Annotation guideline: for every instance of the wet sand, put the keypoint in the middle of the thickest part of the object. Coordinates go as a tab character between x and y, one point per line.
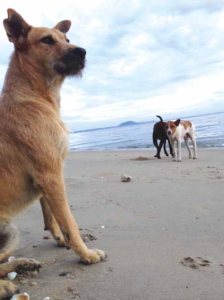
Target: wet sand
169	211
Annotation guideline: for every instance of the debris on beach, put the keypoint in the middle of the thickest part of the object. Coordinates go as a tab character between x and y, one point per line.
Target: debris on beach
89	229
22	280
11	258
47	237
33	283
125	178
141	158
23	296
88	237
103	227
54	261
64	273
195	263
47	298
71	290
11	275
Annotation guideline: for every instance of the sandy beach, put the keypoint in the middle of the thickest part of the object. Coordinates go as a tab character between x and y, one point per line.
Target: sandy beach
169	211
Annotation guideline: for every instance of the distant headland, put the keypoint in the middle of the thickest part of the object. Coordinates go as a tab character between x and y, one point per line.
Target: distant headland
128	123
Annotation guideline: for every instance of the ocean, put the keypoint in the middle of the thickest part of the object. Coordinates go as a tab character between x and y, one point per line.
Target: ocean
209	134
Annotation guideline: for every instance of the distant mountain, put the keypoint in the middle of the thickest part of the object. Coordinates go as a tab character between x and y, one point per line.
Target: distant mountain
128	123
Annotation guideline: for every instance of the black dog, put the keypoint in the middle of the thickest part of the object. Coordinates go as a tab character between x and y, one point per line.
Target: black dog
159	133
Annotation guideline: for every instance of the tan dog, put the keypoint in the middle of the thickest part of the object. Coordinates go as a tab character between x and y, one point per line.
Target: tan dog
34	140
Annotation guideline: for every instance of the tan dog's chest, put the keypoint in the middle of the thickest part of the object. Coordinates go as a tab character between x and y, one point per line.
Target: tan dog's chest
63	148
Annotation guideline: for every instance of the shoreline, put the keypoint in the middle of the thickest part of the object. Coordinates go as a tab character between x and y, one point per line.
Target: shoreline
143	149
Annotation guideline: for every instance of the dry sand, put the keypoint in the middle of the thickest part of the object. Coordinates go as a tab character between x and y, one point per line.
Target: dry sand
168	211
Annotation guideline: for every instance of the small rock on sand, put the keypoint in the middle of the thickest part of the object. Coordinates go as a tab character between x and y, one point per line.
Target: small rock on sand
125	178
47	237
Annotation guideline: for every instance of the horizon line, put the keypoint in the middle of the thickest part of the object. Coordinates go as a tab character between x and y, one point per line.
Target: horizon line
141	122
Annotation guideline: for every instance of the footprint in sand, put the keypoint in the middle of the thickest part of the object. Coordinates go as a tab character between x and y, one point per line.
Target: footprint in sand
195	263
141	158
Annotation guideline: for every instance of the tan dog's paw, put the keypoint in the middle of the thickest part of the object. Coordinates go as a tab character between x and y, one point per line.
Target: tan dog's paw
56	233
94	256
27	265
60	239
7	289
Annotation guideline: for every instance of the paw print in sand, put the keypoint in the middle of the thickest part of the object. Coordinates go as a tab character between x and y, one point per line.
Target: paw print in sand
195	263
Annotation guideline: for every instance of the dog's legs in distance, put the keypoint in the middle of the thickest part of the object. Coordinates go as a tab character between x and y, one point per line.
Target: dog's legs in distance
194	146
51	224
171	149
52	186
155	144
179	150
172	143
164	147
159	149
9	238
186	140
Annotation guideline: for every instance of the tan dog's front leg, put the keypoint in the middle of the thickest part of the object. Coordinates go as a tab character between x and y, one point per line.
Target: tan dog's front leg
51	224
53	189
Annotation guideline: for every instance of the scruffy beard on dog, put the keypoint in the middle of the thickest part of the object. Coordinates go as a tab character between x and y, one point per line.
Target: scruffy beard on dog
72	64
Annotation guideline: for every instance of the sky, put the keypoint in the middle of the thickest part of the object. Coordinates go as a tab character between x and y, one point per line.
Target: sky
144	57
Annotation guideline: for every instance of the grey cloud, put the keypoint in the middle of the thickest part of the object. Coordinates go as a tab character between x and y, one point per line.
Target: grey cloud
182	43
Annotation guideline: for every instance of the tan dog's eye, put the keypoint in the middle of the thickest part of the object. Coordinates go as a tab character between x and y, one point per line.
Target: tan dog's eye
48	40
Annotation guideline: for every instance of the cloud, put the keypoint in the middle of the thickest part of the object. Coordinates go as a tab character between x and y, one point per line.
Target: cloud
143	58
185	97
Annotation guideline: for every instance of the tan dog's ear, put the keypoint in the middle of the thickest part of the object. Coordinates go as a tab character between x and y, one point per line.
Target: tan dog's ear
16	27
177	122
63	26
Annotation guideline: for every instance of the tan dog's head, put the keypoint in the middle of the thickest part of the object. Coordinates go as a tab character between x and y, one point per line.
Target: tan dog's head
171	127
47	50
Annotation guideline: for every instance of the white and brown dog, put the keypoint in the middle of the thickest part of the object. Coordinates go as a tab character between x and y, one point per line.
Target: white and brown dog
176	130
